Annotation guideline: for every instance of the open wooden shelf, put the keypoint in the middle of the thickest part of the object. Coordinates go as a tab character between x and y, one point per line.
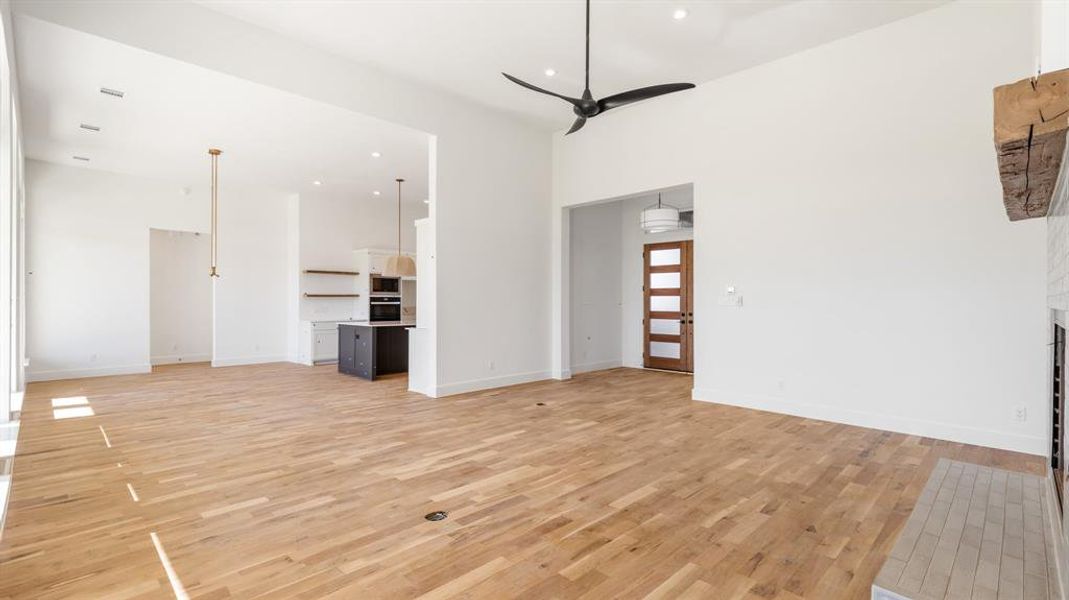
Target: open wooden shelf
307	295
325	272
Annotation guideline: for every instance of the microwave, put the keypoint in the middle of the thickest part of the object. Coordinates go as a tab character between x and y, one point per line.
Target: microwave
382	286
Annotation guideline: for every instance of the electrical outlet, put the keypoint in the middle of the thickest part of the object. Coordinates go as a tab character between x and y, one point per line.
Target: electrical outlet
1020	413
491	365
781	384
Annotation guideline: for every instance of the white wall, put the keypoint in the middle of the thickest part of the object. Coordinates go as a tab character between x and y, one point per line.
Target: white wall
851	194
252	294
88	259
595	284
490	191
12	224
1054	36
180	297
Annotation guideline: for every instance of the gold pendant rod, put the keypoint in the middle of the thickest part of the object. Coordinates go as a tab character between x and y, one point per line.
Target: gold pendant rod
215	152
399	182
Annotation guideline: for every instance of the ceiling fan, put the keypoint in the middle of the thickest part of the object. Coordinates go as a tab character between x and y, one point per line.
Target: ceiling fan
586	107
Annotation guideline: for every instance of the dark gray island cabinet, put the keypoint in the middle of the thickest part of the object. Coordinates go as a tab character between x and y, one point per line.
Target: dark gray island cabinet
370	349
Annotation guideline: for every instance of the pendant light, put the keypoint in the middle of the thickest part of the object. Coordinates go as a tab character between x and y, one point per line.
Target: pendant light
400	265
214	153
660	217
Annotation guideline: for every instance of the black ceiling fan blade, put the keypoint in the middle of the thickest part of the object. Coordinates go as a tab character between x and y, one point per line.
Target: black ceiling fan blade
577	125
572	101
630	96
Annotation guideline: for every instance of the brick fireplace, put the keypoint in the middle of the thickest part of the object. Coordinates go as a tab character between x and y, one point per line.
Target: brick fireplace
1058	309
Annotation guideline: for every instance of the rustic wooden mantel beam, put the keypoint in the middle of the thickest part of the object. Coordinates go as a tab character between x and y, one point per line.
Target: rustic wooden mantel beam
1031	119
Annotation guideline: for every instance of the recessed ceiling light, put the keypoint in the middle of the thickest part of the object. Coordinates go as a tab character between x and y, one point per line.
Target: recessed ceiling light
317	182
680	14
89	127
82	158
376	193
550	72
376	154
112	92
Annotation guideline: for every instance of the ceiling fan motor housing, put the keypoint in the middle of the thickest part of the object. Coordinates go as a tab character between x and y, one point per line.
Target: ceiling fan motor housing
587	108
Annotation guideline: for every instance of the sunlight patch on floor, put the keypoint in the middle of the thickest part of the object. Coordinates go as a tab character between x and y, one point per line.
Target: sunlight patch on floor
72	413
69	401
172	576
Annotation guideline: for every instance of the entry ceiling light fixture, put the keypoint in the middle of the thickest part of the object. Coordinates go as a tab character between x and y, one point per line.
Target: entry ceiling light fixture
660	217
586	107
400	265
214	153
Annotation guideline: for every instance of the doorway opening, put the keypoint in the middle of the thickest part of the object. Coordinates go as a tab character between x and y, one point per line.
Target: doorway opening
180	297
629	291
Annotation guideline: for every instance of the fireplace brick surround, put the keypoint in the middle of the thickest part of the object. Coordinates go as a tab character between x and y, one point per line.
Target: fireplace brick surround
1058	309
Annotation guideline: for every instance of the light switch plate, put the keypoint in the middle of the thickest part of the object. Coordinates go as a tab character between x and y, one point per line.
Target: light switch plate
731	300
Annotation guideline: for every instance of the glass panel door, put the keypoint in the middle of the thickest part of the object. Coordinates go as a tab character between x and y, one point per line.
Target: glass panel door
668	339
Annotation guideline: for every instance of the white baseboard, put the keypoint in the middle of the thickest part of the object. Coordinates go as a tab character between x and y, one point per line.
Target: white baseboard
429	392
595	366
16	401
248	360
836	414
179	359
53	375
476	385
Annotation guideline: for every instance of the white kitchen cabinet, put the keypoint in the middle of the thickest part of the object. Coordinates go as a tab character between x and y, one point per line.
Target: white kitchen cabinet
378	263
319	342
325	345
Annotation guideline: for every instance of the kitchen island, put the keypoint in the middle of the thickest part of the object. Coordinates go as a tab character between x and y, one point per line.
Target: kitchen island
368	349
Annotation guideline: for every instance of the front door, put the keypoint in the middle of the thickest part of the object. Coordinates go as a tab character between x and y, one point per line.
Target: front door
668	319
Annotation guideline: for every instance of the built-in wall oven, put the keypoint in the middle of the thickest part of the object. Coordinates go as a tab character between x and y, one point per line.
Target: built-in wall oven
385	307
385	285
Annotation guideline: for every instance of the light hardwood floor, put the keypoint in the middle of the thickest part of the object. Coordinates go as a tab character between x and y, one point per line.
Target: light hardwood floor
286	481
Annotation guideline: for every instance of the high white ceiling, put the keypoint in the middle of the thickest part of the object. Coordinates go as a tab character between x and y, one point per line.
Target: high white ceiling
463	45
173	112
